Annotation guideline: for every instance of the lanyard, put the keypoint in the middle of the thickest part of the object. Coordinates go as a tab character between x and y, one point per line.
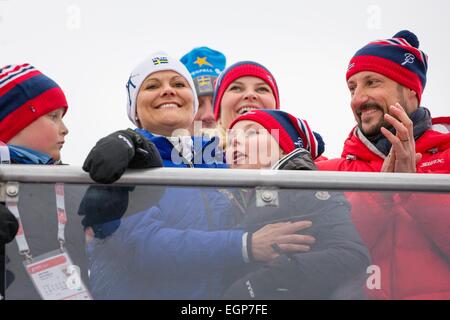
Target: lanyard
4	154
12	202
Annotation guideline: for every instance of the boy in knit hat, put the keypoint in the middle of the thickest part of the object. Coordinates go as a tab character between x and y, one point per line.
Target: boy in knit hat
264	139
205	65
31	110
31	130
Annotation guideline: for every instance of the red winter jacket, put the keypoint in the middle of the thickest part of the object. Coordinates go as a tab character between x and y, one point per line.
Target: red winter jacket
408	234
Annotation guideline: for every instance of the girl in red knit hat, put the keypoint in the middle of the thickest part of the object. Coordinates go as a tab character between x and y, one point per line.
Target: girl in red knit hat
242	87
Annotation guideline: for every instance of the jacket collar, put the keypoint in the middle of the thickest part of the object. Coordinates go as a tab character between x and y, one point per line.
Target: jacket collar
435	139
200	145
22	155
298	159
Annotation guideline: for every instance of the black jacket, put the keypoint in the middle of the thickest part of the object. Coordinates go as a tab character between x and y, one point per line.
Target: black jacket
8	229
335	266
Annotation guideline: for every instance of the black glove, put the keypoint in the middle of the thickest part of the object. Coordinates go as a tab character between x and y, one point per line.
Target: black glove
8	225
103	207
274	280
123	149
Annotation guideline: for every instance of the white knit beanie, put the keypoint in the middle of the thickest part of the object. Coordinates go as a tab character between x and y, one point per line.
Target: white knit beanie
158	61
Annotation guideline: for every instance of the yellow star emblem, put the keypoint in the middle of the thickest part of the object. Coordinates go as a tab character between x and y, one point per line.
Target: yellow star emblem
202	61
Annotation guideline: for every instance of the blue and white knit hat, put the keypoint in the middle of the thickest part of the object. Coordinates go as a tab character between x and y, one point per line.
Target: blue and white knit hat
158	61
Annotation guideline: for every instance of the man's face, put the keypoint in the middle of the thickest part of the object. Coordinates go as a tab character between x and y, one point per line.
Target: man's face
205	112
371	96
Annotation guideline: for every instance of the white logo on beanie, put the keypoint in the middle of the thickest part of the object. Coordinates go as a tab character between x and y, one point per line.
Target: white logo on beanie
409	58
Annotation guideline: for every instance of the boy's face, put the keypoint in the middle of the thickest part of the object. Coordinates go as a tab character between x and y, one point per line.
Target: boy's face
251	146
46	134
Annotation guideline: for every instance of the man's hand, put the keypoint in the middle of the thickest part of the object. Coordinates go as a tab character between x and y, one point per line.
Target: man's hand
403	156
284	236
113	154
8	225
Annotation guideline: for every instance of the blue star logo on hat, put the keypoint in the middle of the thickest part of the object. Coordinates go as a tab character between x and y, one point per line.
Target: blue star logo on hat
202	61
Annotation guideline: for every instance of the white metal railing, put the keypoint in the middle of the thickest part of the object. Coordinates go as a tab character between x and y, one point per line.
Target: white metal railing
237	178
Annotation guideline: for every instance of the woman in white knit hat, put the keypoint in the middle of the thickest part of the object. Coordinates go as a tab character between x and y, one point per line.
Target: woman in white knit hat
176	246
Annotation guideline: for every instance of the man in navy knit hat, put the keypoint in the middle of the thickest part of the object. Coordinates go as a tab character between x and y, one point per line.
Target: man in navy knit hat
408	234
386	79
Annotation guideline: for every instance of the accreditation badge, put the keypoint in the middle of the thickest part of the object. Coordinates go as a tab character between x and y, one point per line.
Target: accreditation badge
56	278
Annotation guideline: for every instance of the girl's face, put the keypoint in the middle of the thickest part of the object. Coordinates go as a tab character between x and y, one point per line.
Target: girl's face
251	146
243	95
46	134
165	103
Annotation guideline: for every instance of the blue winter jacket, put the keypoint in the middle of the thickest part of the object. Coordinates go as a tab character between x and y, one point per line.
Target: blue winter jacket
22	155
206	153
179	249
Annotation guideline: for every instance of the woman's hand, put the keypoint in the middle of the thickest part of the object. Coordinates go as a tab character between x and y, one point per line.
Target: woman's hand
283	236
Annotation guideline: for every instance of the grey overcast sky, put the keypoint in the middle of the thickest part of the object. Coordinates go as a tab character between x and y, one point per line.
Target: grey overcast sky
90	47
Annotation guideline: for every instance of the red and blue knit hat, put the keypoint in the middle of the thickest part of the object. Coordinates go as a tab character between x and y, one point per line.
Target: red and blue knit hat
398	58
293	133
25	95
239	70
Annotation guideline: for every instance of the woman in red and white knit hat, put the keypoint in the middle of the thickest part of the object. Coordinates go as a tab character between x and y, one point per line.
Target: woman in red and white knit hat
242	87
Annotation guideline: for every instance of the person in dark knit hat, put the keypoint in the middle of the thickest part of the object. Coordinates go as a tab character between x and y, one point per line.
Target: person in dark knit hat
334	256
408	236
386	79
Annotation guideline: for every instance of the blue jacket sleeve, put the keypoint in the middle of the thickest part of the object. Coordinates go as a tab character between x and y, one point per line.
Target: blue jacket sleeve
163	249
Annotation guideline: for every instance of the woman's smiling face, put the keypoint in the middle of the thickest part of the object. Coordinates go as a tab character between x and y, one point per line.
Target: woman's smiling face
165	103
245	94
